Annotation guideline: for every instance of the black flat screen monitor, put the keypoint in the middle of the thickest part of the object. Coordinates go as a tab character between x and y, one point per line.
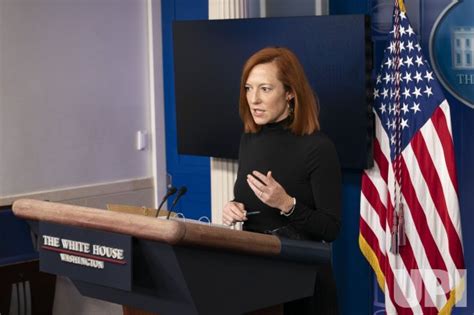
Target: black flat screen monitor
334	51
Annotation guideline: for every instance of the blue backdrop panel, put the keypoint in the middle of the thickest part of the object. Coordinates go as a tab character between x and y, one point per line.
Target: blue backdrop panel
192	171
15	239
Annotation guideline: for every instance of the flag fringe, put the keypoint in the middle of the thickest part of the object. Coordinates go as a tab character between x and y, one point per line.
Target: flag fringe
373	261
454	297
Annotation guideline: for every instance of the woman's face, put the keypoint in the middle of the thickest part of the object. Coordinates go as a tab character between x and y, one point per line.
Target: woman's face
266	95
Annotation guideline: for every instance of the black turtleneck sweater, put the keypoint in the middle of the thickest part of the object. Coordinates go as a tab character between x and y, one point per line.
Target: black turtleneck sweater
308	169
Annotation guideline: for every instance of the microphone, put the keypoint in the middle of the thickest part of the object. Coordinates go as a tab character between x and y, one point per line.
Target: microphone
171	191
181	191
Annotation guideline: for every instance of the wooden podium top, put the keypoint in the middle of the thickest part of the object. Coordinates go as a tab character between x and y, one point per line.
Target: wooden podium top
172	232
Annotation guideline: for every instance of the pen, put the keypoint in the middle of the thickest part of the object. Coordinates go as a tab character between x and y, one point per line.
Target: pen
252	213
249	213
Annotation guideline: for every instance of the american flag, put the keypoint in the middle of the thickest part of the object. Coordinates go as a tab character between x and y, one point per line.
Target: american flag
410	229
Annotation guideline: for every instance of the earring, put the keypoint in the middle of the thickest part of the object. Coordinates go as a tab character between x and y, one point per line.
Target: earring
290	107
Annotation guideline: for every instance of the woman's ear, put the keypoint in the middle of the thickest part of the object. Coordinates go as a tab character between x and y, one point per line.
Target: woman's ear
289	96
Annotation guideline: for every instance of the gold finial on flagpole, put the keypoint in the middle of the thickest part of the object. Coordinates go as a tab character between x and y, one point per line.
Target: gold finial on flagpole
402	6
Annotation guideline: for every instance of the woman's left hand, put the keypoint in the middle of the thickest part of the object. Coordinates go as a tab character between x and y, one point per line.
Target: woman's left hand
269	191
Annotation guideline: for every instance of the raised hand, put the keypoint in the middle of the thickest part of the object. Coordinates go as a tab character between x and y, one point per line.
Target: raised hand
269	191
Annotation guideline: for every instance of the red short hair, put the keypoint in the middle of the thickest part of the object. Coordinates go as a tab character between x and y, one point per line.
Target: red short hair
291	74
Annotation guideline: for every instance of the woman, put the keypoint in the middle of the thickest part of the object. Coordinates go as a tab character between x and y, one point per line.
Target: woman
288	170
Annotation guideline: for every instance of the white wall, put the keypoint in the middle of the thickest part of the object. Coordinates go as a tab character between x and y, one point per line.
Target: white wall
74	89
77	81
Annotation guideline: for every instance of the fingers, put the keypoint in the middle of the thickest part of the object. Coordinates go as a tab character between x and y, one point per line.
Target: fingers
264	179
233	212
256	184
239	205
237	210
256	190
261	184
269	175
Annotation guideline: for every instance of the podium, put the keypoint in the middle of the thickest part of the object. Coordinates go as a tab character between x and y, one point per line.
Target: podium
170	266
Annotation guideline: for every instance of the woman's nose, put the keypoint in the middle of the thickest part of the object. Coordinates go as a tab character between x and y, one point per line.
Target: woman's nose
254	97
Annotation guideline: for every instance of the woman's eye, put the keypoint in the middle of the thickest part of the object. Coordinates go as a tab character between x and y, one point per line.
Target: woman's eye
266	89
247	88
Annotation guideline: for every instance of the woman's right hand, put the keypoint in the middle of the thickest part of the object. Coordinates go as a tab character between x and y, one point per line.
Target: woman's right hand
233	212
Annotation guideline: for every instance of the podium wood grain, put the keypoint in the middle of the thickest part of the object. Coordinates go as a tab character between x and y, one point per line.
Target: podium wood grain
172	232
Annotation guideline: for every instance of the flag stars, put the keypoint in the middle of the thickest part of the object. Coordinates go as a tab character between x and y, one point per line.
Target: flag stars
389	124
403	15
391	109
379	79
406	93
405	109
402	46
391	47
415	108
429	75
419	61
404	79
418	77
407	77
417	92
376	93
392	139
427	91
392	125
404	123
400	62
402	31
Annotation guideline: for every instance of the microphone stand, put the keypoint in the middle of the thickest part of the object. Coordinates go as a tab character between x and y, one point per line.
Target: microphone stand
171	191
181	191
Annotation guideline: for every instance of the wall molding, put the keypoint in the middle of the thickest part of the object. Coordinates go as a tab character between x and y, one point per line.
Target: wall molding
86	191
224	171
